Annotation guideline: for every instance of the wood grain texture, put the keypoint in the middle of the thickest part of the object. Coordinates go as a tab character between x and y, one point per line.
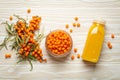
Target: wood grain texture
55	14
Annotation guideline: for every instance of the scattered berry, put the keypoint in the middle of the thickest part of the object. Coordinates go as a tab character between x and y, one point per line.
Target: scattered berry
78	24
29	11
76	18
72	57
75	50
71	30
112	36
11	18
7	55
78	55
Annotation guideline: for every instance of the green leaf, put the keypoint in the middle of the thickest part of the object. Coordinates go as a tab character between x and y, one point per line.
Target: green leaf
27	39
19	61
14	46
19	39
17	16
1	46
4	43
20	18
18	44
40	37
31	57
9	28
30	64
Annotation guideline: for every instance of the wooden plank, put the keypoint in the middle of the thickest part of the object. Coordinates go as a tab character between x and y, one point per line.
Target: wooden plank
55	14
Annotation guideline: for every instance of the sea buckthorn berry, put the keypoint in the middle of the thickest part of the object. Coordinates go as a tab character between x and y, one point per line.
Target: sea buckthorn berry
74	24
40	50
7	55
29	10
72	57
38	58
26	54
110	46
108	43
78	55
21	51
112	36
35	50
33	53
78	24
76	18
36	55
67	26
11	18
25	48
45	59
75	50
27	30
22	29
40	61
41	54
71	30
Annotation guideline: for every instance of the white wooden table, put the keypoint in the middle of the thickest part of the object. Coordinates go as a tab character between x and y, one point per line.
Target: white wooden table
55	14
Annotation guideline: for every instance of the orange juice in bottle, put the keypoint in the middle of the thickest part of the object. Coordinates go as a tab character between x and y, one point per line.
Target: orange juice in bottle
94	41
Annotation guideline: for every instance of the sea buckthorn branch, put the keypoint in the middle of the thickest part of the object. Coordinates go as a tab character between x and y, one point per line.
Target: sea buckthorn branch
22	35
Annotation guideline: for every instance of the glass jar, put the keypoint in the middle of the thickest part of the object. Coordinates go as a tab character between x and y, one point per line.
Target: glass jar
58	43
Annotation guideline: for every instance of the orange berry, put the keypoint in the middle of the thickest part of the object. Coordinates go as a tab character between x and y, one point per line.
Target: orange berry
7	55
29	10
21	51
40	61
78	24
25	48
45	59
72	57
21	35
76	18
110	46
32	29
38	58
26	54
36	55
33	53
67	26
108	43
40	50
112	36
31	35
27	30
35	50
37	47
74	25
11	18
28	48
15	26
23	45
78	55
71	30
41	54
21	29
75	50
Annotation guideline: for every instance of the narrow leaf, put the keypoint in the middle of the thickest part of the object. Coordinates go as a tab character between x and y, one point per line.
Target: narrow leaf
30	64
27	39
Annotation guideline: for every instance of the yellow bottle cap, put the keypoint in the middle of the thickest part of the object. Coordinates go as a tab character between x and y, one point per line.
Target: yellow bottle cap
100	21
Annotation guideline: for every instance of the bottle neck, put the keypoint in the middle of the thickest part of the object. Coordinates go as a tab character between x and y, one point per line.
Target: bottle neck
99	24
